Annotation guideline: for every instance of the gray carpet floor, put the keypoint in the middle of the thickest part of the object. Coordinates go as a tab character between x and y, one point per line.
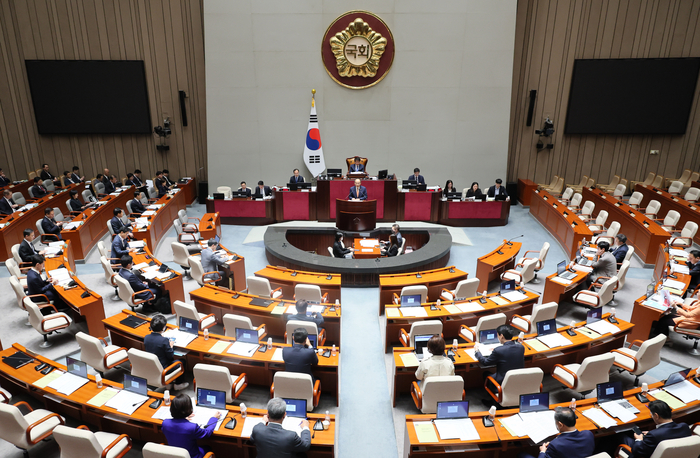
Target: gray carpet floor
364	391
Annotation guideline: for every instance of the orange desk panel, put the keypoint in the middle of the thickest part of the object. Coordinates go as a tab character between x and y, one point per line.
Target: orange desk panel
435	280
287	279
490	266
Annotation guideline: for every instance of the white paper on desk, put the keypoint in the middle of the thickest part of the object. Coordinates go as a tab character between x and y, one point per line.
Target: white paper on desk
150	274
366	250
369	243
182	339
485	350
148	213
73	225
59	274
52	251
563	281
249	424
514	424
581	268
459	428
539	425
675	284
126	402
616	410
514	296
409	359
685	391
67	383
137	244
292	424
599	417
590	251
242	349
680	268
554	340
468	307
413	311
603	327
676	252
154	206
141	220
277	355
163	413
292	309
141	266
114	193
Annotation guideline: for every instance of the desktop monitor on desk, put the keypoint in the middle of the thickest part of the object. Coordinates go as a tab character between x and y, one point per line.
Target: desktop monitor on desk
382	174
239	194
453	195
297	186
218	196
335	173
409	184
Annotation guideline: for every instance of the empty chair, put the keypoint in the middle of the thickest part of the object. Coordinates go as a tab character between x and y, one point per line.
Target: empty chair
231	322
190	311
19	199
652	209
48	184
330	250
541	257
310	327
525	275
83	443
110	274
153	450
670	221
543	185
439	388
127	294
225	190
685	176
219	378
293	385
684	238
198	273
575	203
191	239
189	223
692	195
669	448
402	248
566	195
15	270
87	196
99	188
515	383
609	235
146	365
485	323
582	183
619	191
635	199
647	356
590	183
309	293
695	176
590	299
540	312
621	277
419	328
691	332
413	291
675	188
260	286
647	181
584	377
598	225
557	188
612	185
181	256
587	211
45	324
464	289
25	431
101	358
658	181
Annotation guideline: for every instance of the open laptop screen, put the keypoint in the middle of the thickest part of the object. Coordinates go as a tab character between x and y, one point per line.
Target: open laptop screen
546	327
488	336
211	398
594	314
534	402
453	409
217	239
189	325
677	377
76	367
609	391
421	343
313	340
296	407
561	267
507	286
136	385
412	300
246	335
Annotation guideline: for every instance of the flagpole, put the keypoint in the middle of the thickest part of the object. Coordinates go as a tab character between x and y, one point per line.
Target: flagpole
313	97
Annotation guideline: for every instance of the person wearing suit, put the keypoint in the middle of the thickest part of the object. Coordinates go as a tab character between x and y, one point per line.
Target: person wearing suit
475	192
604	265
417	177
393	248
75	204
301	307
244	188
160	345
26	248
130	180
301	355
437	363
509	355
67	180
166	179
643	445
210	260
75	176
296	178
160	184
693	264
570	443
37	285
262	191
38	190
106	176
137	178
109	185
339	251
117	223
273	441
49	224
137	285
498	191
357	165
136	205
180	432
7	205
120	247
4	181
684	316
621	248
45	175
357	192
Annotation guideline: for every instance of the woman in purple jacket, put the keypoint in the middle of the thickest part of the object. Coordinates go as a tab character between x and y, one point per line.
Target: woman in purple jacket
180	432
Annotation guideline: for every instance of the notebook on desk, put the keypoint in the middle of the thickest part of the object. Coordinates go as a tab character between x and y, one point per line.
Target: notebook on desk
17	360
132	321
260	302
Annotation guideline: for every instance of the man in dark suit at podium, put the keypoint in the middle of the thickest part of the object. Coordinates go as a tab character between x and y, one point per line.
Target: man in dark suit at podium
357	166
244	188
498	191
296	178
262	191
358	192
417	177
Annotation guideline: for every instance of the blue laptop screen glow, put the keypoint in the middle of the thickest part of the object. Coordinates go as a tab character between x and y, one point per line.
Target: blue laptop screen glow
488	336
453	409
135	384
189	325
546	327
561	267
421	343
217	239
313	340
507	286
211	398
296	407
534	402
246	335
677	377
593	315
410	301
609	391
76	367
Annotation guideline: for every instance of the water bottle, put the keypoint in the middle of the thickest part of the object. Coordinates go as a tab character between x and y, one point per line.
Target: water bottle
521	336
166	397
244	410
492	413
572	404
206	334
334	351
98	380
328	416
573	324
337	302
484	294
612	312
327	422
269	342
455	345
645	388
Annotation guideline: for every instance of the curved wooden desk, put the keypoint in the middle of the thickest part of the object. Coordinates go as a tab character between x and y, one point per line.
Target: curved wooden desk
452	317
162	221
688	211
471	371
435	280
172	287
259	368
474	214
355	215
140	425
210	226
232	273
287	279
218	301
490	266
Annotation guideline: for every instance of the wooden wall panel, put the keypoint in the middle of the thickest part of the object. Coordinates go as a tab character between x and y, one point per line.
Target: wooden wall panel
167	35
550	35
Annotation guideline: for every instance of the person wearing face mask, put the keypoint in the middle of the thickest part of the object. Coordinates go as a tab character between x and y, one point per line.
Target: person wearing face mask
570	443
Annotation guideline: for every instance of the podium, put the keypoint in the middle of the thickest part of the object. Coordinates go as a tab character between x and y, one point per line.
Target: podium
355	216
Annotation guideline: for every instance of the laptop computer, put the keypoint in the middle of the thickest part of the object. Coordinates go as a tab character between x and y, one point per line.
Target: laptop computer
260	302
409	184
412	300
247	335
208	403
296	413
188	325
534	402
422	187
452	410
677	377
610	391
217	239
76	367
546	327
507	286
594	314
136	385
382	174
421	344
488	336
563	273
313	340
218	195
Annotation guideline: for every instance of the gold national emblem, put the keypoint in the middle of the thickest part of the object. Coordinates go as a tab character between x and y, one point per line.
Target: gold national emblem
358	49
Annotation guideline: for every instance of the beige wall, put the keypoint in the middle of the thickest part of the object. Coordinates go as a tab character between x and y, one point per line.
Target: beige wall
166	34
444	106
549	36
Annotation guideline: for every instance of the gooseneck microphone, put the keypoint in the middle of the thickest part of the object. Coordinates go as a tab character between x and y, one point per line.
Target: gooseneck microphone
509	242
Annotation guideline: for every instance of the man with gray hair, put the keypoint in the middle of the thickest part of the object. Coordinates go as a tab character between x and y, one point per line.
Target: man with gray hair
273	441
570	443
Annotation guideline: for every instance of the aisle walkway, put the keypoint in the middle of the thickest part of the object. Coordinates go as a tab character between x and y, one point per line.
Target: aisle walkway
366	425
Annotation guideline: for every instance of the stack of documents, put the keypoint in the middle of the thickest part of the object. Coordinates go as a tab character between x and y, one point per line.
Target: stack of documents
674	284
413	311
102	397
603	327
515	296
618	411
562	281
409	359
277	355
425	431
599	417
672	401
243	349
61	275
292	309
536	425
148	213
680	268
589	251
182	338
554	340
458	428
292	424
126	402
72	225
154	206
679	253
685	391
141	266
498	300
249	424
369	243
469	307
485	350
67	383
53	250
137	244
202	415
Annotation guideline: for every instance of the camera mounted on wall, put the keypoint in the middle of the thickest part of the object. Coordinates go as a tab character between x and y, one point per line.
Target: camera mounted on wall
547	131
162	132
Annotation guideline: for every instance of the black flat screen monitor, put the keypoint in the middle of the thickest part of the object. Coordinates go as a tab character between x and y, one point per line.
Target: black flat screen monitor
296	407
594	314
409	184
534	402
507	286
382	174
89	96
453	195
188	325
246	335
335	172
609	391
546	327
